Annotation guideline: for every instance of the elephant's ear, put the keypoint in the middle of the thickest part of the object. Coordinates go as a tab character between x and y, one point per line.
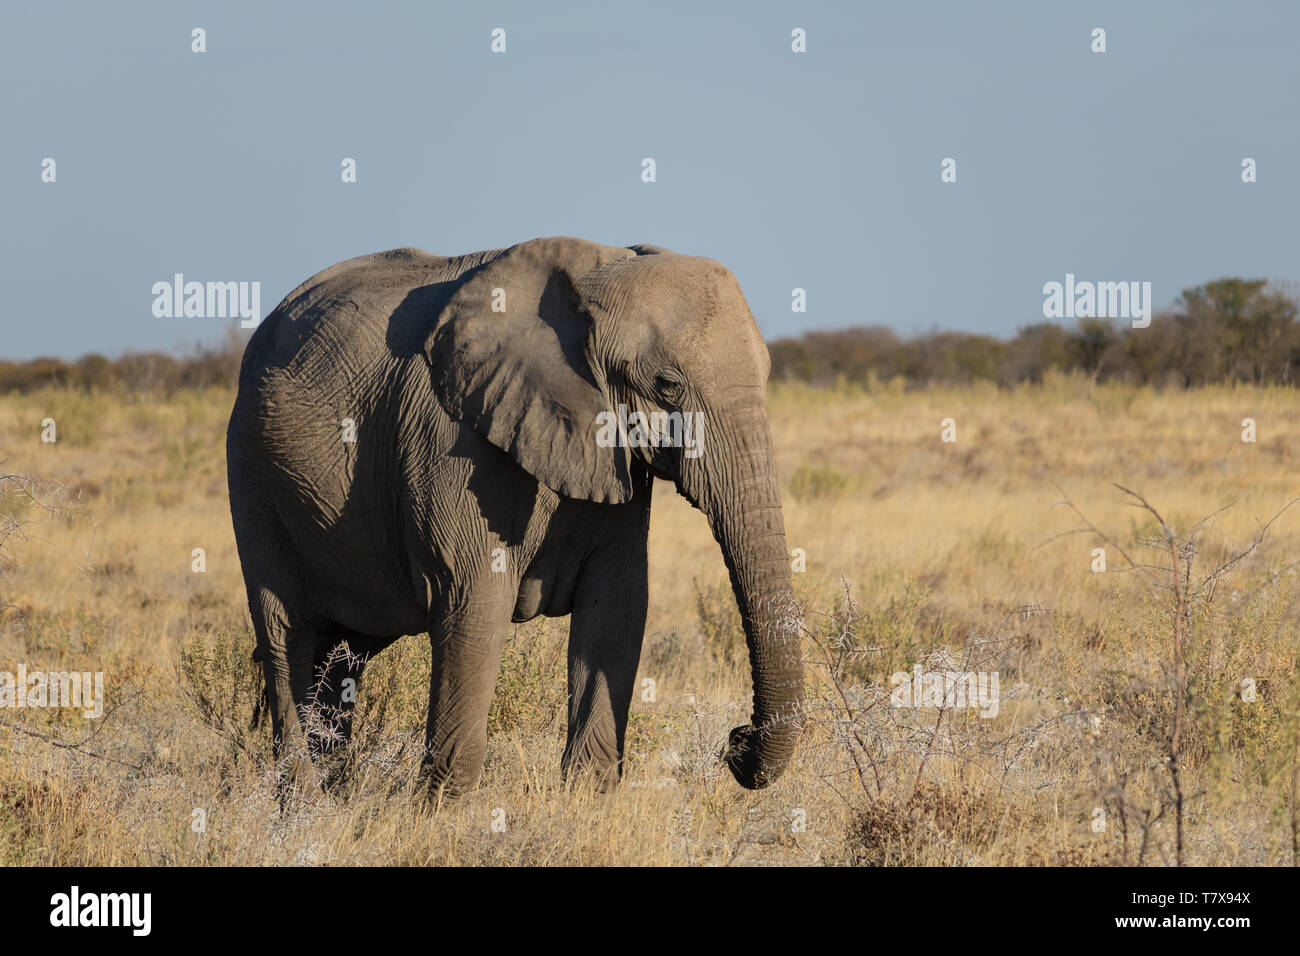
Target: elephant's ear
509	354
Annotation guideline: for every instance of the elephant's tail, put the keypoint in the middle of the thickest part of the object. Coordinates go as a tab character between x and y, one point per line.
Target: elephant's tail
262	707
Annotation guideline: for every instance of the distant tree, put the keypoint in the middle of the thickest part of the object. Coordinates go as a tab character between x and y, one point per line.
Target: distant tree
1257	325
1034	350
792	360
93	371
1090	342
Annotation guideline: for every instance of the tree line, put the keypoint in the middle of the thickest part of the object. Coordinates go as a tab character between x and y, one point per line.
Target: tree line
132	373
1229	330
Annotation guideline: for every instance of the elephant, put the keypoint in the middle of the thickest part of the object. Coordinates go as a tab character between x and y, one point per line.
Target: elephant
447	445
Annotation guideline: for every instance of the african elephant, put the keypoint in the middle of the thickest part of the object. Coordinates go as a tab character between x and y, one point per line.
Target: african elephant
423	444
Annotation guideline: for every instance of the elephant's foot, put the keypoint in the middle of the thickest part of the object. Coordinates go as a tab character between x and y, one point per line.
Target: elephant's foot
593	756
449	779
600	777
298	781
592	767
334	768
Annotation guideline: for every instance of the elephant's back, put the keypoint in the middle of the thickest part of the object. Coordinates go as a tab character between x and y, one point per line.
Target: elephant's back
327	362
346	314
395	265
357	318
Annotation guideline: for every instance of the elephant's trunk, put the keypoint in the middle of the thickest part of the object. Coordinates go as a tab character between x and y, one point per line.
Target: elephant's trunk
741	497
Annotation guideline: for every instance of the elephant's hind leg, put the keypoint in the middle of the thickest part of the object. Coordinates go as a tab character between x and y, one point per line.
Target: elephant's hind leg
287	651
340	659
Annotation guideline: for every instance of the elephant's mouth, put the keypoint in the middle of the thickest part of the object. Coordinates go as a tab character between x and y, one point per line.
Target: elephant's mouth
661	465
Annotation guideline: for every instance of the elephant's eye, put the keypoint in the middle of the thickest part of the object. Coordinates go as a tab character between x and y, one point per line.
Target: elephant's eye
669	388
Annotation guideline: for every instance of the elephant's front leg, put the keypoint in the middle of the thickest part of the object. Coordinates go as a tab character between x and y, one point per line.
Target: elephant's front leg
605	634
467	647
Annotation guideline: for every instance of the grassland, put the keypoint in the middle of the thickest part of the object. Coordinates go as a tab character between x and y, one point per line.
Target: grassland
917	551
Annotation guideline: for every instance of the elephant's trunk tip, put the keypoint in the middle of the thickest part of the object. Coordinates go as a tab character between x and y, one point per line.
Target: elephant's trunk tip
758	753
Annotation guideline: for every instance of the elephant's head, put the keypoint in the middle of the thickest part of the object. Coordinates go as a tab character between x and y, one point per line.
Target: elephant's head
555	340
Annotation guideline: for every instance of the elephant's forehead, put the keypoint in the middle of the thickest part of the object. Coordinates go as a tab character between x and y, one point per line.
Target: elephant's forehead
695	305
702	311
690	295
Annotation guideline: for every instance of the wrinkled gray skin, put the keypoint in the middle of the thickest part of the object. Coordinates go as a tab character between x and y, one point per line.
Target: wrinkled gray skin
475	431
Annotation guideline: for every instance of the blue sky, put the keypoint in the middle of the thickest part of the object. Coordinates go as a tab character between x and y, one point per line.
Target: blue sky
817	170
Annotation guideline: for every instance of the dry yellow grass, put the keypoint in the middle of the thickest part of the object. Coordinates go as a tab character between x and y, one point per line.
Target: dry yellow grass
940	545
